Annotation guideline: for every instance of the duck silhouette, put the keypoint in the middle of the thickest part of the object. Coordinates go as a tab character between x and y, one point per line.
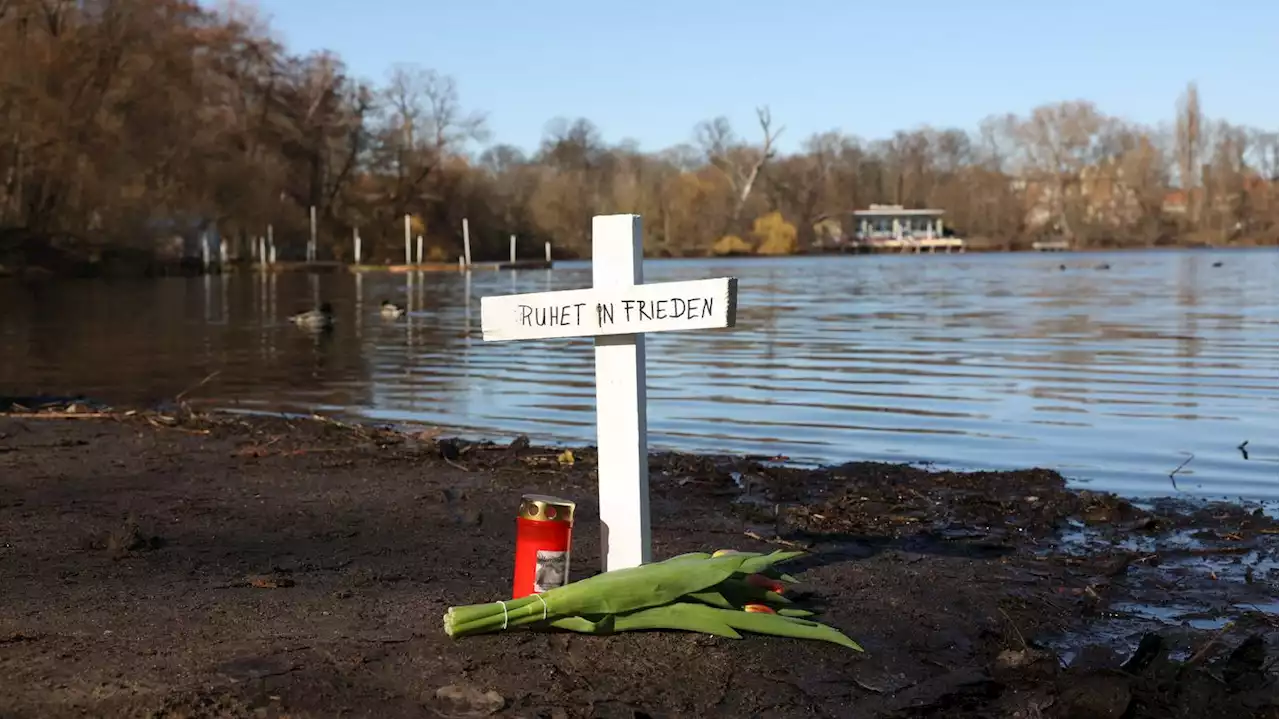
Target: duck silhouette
320	318
391	310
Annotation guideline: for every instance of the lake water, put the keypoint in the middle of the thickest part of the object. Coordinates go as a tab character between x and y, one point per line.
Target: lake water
1113	377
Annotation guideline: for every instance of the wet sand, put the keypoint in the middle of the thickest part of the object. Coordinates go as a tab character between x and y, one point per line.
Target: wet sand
178	565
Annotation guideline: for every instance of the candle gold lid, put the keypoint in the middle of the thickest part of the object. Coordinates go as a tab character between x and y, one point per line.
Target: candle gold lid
545	508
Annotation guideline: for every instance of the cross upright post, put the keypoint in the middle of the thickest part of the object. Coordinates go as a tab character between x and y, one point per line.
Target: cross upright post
622	436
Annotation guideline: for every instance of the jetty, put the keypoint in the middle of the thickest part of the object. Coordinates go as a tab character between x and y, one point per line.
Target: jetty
455	267
263	256
327	266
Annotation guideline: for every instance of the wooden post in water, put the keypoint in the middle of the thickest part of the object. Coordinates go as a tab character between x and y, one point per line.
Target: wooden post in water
617	310
355	238
466	241
271	245
311	244
547	247
513	249
408	259
419	249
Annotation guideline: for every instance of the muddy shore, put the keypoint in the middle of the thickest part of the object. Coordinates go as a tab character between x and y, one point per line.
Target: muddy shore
178	565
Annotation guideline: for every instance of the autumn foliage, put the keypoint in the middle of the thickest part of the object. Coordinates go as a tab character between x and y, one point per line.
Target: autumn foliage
729	246
128	123
775	235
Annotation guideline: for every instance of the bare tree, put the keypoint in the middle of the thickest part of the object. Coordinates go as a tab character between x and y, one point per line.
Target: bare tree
1057	143
808	187
740	163
427	109
423	124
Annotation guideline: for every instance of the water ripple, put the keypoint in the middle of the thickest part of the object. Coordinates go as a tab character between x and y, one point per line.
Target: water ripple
970	361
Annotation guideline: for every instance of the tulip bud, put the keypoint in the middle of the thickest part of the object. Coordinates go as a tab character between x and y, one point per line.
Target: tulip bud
758	609
723	552
762	582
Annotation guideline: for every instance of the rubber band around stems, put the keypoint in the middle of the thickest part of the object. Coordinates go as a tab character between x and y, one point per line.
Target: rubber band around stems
505	615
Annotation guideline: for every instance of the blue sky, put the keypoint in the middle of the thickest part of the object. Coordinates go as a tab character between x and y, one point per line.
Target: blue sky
649	71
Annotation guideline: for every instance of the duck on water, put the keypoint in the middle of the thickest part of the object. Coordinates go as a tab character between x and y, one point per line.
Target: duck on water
317	319
391	310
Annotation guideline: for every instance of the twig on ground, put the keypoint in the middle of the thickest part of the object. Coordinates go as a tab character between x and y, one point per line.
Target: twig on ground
1185	462
775	540
1016	630
1205	551
196	386
185	430
454	464
313	450
867	687
58	415
257	450
1204	651
161	421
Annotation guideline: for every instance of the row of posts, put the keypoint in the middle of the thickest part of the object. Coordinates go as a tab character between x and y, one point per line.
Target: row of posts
463	261
264	248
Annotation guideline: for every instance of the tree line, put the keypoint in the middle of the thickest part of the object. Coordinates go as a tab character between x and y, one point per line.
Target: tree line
129	121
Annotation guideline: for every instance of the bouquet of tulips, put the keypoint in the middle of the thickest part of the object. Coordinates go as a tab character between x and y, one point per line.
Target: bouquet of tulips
718	594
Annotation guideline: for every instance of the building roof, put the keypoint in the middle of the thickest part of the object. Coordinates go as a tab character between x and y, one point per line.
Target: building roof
896	211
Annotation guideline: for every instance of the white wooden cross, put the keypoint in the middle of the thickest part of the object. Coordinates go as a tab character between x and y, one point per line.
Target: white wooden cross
617	311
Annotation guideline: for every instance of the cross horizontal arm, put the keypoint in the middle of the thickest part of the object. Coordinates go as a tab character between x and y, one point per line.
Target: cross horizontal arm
593	312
